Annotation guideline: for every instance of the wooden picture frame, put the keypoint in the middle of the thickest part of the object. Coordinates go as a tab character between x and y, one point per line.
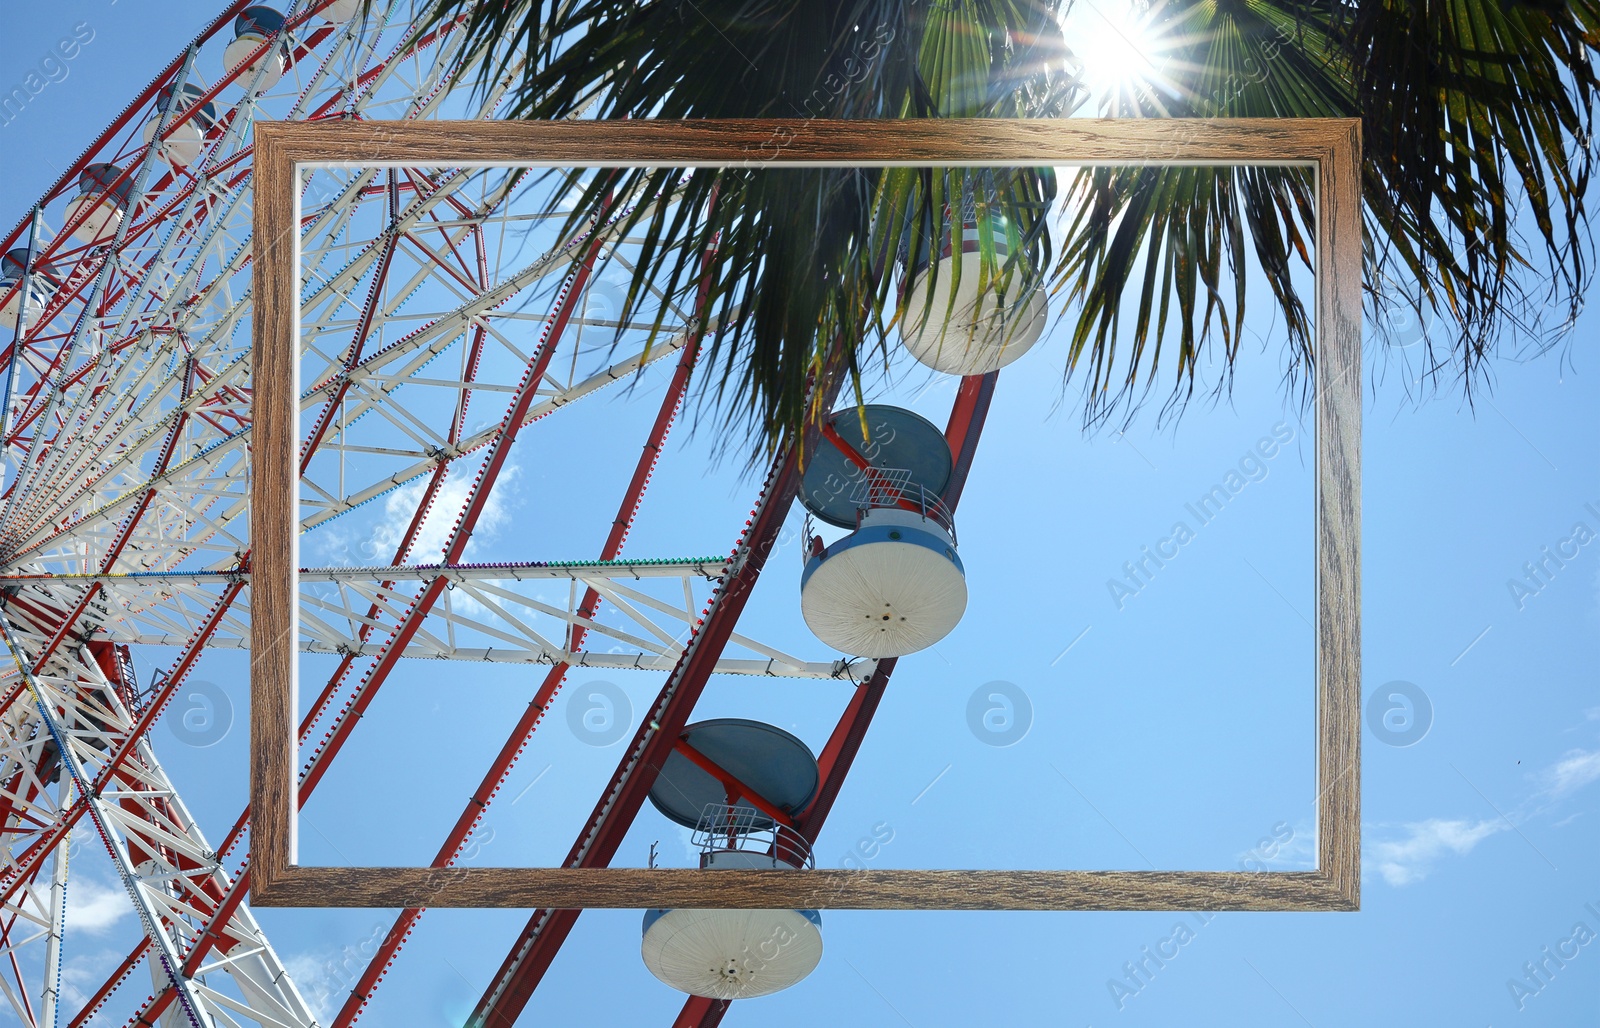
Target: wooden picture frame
1330	146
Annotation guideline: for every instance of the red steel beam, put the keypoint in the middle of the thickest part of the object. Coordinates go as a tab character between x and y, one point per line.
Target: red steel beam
91	1008
369	310
424	505
698	1011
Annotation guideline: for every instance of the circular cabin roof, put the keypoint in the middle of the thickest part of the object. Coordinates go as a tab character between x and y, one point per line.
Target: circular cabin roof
778	766
896	438
259	20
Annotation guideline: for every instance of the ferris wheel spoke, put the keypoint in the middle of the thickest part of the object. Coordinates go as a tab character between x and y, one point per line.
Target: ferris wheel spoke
106	396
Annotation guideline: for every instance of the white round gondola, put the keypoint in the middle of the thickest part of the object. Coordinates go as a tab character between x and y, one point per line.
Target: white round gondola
11	266
978	332
340	11
10	308
272	60
892	587
183	144
253	27
101	200
731	954
186	141
101	218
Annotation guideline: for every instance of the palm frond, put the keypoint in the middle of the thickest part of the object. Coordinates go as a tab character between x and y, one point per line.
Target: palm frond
806	255
1476	120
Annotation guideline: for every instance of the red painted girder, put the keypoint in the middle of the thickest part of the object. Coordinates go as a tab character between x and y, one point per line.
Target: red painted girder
103	993
16	976
67	525
700	1012
843	744
212	935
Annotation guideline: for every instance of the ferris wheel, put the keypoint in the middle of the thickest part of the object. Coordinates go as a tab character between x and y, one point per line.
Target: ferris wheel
443	315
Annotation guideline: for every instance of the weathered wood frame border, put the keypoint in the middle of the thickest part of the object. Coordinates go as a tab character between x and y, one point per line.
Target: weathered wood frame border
1331	146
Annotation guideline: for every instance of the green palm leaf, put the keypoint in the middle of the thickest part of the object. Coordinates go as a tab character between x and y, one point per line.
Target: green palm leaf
1472	114
1476	121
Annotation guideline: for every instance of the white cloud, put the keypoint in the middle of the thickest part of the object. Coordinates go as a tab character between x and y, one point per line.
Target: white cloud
319	984
329	546
1407	860
401	505
93	908
1573	771
325	978
82	974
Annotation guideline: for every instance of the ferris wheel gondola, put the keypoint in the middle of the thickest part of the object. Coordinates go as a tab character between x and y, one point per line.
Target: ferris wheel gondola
252	30
186	138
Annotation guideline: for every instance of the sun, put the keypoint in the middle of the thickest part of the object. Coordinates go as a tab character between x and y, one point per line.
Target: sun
1114	50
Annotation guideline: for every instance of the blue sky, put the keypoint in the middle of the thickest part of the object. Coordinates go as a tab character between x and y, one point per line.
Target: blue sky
1174	732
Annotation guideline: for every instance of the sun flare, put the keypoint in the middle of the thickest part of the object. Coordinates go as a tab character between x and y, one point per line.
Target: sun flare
1114	49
